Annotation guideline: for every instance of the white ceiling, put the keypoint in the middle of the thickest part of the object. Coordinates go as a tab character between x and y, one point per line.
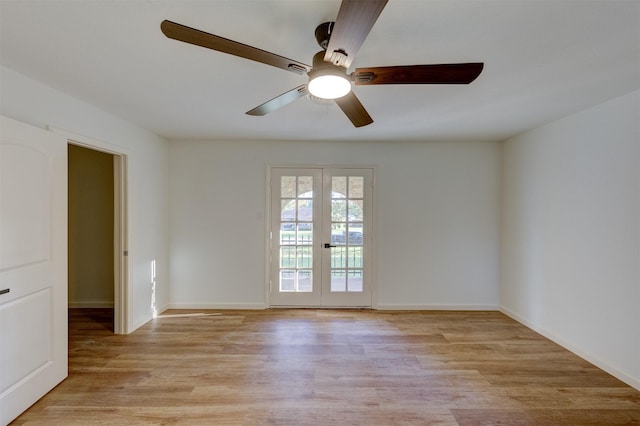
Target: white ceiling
543	60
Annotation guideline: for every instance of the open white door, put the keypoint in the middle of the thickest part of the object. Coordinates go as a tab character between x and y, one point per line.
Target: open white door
33	265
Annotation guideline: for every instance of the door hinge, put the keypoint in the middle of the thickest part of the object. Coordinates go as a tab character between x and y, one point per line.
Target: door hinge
125	253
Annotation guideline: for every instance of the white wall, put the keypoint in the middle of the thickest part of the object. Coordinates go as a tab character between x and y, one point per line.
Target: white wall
437	220
34	103
571	233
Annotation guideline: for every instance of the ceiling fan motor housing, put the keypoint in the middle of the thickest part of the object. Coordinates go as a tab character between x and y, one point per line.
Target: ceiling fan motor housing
321	67
323	33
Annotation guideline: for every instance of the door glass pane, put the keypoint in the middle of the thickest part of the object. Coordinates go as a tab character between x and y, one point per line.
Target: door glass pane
338	210
356	184
288	187
296	234
305	233
287	280
339	187
338	257
287	233
304	257
305	187
338	280
305	210
355	281
354	257
288	210
338	234
305	281
354	235
287	257
355	211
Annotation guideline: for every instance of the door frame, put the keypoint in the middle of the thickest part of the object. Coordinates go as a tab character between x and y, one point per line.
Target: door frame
267	223
121	290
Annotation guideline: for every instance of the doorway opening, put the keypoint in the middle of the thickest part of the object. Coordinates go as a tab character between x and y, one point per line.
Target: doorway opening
97	237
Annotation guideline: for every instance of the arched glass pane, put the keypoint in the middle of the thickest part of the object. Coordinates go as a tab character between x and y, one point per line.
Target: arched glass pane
288	187
305	187
356	187
339	187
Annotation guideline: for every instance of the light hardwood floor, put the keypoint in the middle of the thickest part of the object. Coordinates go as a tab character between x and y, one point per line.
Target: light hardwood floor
327	367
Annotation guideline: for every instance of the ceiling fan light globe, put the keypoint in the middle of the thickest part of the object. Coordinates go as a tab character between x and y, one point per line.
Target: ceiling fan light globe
329	86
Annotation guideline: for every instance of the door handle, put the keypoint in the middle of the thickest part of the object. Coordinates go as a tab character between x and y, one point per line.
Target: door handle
327	245
4	291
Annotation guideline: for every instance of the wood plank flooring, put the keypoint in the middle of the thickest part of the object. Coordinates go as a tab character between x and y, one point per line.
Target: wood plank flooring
327	367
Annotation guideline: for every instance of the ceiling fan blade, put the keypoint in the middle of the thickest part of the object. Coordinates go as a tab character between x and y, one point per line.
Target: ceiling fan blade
419	74
353	109
355	20
200	38
279	101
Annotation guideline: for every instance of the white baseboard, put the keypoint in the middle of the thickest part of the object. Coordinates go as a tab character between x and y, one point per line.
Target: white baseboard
434	307
631	381
242	306
379	306
95	304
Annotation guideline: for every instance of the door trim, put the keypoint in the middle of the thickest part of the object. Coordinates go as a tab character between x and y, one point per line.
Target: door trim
267	225
121	290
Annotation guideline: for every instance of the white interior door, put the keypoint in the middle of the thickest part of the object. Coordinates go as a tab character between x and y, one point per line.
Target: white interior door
320	239
33	265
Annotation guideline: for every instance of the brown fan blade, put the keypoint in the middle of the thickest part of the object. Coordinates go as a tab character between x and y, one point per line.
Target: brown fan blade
419	74
353	109
279	101
200	38
355	20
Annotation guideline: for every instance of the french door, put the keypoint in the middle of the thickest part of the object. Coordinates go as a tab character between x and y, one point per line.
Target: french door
320	239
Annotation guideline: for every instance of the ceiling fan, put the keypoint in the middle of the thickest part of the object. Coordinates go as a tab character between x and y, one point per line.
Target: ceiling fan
328	78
